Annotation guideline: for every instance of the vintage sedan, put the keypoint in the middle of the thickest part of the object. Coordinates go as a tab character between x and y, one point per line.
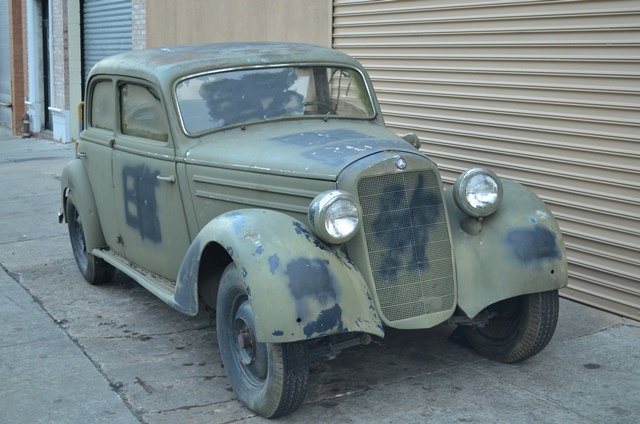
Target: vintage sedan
260	181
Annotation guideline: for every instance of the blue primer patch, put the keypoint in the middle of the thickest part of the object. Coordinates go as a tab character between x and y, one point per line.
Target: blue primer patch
311	278
300	230
327	320
259	250
532	244
274	263
277	333
311	282
237	220
405	247
140	203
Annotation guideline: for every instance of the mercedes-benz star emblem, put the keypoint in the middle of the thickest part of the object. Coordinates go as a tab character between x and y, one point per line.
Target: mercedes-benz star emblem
401	163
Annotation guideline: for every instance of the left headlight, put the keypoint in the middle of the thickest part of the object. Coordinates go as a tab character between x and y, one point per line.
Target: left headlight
334	216
478	192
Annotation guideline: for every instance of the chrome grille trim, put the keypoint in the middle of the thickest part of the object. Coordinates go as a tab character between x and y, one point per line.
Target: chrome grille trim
408	243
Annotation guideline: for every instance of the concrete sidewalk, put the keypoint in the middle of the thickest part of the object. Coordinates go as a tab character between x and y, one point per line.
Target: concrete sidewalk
75	353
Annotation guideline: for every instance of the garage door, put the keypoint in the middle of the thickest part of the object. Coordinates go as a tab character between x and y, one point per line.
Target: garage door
544	92
106	30
5	66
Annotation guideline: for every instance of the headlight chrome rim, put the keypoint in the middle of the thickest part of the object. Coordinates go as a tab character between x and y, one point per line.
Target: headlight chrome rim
322	205
461	192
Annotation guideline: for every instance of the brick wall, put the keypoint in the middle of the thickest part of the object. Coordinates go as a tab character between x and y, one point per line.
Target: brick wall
60	54
138	24
18	59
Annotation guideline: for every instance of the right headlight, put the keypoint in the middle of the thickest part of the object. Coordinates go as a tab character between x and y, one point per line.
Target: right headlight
478	192
334	216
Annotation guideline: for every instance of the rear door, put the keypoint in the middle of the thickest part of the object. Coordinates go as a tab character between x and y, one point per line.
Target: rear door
146	193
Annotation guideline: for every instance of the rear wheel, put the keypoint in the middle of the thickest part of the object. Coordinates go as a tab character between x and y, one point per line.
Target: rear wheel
519	327
94	270
269	378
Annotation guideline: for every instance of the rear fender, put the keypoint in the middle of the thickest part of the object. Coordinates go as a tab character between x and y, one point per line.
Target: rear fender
75	185
518	251
300	288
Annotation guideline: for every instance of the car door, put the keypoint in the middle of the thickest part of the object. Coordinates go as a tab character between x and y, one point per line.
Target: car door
95	151
146	194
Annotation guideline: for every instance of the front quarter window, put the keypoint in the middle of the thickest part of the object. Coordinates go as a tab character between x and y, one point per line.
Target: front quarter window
102	112
221	99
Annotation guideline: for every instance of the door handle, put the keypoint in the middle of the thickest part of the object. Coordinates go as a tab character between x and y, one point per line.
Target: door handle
169	179
81	154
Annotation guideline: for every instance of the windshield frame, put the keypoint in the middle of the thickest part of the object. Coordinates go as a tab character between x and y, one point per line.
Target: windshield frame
365	81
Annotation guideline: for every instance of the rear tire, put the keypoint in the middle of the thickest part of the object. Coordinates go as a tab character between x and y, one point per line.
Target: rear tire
520	328
269	378
94	270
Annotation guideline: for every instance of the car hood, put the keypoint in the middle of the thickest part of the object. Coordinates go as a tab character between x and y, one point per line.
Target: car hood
296	148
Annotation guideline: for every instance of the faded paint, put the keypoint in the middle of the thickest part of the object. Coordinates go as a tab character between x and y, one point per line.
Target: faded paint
511	255
295	287
338	147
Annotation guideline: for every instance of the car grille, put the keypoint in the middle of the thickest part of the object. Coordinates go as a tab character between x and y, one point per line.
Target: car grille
407	243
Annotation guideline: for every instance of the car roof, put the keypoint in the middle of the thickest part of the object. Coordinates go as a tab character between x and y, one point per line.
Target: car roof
165	64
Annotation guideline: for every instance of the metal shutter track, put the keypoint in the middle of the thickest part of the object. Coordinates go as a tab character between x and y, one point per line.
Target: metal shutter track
106	30
544	92
5	64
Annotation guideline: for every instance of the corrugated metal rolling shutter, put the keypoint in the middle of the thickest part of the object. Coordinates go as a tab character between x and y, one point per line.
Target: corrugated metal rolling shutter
544	92
106	30
5	65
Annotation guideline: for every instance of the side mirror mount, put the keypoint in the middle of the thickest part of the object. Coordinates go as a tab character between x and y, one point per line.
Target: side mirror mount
412	139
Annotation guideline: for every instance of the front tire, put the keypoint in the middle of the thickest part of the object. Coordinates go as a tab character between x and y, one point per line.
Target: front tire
94	270
519	328
269	378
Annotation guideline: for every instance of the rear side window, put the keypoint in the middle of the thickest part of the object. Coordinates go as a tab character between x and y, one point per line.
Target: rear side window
103	106
141	113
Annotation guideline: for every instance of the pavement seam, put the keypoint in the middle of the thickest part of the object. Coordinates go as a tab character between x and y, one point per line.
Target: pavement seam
4	243
189	407
534	394
116	387
592	333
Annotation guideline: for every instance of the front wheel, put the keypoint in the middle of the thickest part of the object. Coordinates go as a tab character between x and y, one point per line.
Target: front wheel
94	270
518	328
269	378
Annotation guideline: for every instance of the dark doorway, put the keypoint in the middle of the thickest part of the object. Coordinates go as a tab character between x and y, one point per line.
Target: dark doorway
46	71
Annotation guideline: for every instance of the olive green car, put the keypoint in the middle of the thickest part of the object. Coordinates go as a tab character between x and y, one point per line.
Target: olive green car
259	180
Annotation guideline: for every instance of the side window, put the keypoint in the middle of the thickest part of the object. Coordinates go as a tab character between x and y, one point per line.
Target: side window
141	113
102	106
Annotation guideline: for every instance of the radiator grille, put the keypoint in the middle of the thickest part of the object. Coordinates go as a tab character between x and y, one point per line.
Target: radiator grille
408	243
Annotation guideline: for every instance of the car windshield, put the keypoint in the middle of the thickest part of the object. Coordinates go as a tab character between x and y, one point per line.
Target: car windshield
221	99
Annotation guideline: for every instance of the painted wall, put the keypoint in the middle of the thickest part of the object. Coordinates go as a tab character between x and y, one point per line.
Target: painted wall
199	21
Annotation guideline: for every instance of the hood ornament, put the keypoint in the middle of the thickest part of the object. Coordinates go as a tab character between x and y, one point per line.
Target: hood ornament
401	163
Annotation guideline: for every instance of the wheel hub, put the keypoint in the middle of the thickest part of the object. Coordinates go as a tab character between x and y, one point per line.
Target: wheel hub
251	354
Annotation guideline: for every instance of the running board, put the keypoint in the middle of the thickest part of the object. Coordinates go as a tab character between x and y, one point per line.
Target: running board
158	286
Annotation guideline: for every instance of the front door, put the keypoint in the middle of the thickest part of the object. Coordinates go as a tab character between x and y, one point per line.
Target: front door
147	196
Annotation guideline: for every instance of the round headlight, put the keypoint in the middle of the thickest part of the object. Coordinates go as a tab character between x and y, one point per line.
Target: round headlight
334	216
478	192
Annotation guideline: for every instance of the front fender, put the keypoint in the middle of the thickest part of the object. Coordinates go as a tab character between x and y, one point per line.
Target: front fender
74	183
299	287
518	251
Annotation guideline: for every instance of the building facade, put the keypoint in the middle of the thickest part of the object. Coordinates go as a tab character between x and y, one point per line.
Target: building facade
543	92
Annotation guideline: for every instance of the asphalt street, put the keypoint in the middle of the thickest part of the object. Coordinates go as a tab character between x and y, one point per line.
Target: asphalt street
75	353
